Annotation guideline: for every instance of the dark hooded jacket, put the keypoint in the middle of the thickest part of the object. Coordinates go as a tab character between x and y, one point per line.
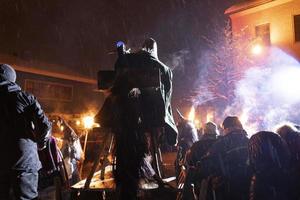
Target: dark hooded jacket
118	101
187	134
228	159
23	128
200	148
269	159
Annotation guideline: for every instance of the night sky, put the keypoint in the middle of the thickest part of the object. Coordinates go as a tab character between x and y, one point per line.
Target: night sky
80	34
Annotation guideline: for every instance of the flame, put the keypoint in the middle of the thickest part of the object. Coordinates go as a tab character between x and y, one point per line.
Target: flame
197	123
209	117
192	114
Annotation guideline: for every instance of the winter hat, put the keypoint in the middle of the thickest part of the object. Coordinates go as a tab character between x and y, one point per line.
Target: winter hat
232	122
7	73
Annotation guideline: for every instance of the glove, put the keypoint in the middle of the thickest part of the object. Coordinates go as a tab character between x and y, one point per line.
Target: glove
134	93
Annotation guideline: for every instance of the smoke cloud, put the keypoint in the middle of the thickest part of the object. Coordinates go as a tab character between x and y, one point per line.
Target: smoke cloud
268	94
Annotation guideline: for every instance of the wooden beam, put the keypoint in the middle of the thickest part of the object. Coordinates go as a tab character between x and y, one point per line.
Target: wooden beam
54	74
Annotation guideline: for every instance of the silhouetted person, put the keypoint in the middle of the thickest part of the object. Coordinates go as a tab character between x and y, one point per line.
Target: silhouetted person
195	154
200	148
292	138
71	151
139	111
187	136
269	160
226	162
24	129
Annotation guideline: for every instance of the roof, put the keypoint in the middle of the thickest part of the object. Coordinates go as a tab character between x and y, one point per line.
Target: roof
245	5
45	69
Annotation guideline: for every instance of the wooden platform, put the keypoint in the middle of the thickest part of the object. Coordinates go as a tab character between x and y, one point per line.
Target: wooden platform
96	184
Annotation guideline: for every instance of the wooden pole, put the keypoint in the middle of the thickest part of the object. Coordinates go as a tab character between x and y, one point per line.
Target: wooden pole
84	150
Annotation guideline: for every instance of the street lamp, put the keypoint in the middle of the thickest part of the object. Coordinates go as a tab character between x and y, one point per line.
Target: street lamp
257	49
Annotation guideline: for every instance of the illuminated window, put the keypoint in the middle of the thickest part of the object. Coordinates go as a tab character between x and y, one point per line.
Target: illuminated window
263	32
297	27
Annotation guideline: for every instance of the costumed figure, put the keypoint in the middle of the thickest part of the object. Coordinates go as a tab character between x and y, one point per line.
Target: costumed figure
138	115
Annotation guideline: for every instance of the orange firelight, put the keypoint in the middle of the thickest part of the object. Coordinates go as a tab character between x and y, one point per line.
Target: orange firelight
209	117
192	114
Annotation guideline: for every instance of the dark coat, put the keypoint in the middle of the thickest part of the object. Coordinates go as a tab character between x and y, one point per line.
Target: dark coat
23	128
292	139
187	134
116	108
228	159
200	148
269	159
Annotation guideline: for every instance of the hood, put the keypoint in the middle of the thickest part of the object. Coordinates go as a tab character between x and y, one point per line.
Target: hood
7	86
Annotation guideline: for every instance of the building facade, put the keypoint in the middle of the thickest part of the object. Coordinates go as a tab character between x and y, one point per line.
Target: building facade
274	22
59	91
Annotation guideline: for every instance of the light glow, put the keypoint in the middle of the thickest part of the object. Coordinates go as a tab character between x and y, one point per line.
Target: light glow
88	122
209	117
257	49
192	114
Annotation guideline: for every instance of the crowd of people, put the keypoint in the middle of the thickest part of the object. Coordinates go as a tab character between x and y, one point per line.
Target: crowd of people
214	166
233	166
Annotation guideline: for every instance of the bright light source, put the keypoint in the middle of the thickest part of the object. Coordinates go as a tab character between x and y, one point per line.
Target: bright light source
192	113
256	49
88	122
62	128
77	122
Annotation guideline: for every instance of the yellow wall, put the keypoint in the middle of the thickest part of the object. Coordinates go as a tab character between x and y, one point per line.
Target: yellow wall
281	22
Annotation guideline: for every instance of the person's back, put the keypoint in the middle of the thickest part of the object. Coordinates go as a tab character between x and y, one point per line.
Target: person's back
227	160
24	128
230	152
187	135
269	159
194	155
200	148
292	138
135	107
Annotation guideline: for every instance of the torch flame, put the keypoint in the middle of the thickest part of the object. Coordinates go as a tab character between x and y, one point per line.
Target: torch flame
192	114
209	117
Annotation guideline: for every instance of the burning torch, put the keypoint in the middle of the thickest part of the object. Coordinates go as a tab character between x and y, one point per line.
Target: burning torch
88	124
